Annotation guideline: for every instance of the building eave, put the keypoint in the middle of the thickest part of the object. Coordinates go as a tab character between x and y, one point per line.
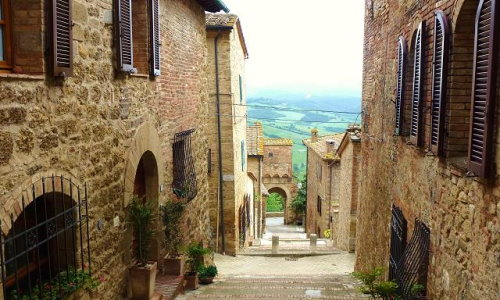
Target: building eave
214	5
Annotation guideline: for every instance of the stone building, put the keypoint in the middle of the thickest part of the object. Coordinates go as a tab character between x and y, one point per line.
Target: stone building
322	183
255	146
93	111
277	176
231	191
345	211
428	202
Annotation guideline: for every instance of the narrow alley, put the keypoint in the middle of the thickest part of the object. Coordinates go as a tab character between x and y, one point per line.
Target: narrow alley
293	273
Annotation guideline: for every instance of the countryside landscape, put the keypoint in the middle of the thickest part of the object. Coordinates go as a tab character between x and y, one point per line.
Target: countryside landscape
293	115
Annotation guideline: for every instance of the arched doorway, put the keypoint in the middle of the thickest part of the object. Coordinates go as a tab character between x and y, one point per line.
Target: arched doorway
277	195
146	189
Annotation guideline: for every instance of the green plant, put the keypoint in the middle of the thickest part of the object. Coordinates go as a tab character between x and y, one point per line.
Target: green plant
171	214
196	253
274	203
209	271
66	283
299	203
376	288
141	217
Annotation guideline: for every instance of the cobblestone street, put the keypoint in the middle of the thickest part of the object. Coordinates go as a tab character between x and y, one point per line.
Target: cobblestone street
282	277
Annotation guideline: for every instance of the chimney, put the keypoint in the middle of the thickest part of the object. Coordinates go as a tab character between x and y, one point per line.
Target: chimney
330	146
314	135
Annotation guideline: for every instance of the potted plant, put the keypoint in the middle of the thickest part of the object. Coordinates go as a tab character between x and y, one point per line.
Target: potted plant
171	212
196	254
207	274
143	272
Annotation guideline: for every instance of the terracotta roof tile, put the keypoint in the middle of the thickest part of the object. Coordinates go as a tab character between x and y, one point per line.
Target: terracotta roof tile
255	139
278	142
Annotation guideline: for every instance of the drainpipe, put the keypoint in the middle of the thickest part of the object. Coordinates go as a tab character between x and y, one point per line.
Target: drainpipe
219	137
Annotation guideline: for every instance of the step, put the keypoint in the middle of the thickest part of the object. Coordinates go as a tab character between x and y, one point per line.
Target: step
169	287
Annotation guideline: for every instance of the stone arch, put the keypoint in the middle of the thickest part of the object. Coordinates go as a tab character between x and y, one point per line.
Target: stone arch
145	146
283	192
31	189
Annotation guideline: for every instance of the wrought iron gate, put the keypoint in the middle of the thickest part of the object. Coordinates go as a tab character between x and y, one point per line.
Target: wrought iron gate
398	240
414	263
184	183
48	245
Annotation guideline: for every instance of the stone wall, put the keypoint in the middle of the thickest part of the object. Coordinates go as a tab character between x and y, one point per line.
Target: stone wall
96	125
233	126
318	189
461	212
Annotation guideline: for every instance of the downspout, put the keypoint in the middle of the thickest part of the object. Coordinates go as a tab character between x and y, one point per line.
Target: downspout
307	190
221	189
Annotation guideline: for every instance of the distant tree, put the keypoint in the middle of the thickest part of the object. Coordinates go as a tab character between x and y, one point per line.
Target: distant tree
299	203
274	203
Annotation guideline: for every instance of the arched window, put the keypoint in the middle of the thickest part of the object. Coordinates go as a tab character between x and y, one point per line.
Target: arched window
416	101
400	89
439	78
483	88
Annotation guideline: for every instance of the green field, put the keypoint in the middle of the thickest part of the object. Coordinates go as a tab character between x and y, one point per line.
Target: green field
297	125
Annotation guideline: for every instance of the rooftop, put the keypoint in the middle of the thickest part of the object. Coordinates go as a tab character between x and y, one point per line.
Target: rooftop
320	146
222	21
255	139
278	142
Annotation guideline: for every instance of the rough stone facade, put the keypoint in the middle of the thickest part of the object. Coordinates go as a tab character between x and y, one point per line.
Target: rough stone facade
278	173
237	185
323	171
460	211
97	126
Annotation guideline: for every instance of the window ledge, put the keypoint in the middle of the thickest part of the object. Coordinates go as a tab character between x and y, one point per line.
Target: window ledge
458	165
139	75
21	76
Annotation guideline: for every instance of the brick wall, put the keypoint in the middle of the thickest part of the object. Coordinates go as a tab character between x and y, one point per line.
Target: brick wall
461	212
140	35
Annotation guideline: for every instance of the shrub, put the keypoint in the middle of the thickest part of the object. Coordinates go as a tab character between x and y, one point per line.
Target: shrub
205	272
274	203
196	253
171	214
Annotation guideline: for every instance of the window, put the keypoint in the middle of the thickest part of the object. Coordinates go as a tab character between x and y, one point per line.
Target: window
62	38
243	156
271	154
184	183
483	89
416	101
209	161
439	78
241	89
400	90
319	205
5	32
138	36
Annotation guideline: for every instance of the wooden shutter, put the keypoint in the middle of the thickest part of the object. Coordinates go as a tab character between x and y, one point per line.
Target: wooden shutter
416	100
62	38
154	17
400	85
439	77
483	88
124	36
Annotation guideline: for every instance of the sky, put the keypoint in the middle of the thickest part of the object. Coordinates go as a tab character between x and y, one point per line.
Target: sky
306	45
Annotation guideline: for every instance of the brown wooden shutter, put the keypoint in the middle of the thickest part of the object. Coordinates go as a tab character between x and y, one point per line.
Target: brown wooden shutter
124	36
483	88
62	38
439	77
155	37
400	89
416	101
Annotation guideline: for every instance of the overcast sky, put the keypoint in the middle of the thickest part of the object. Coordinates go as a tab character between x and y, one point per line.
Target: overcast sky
314	44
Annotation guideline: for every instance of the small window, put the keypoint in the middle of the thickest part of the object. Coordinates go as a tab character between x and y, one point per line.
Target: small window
5	39
184	184
209	161
271	154
243	156
241	89
319	205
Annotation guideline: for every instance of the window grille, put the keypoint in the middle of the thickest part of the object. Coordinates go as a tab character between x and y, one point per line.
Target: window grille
398	240
47	242
184	184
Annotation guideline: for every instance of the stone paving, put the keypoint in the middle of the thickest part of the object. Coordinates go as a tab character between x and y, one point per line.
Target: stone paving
284	277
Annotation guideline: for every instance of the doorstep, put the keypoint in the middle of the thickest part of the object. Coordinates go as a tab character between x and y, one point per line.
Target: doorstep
169	286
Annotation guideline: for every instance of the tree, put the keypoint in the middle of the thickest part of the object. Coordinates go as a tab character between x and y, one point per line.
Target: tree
299	203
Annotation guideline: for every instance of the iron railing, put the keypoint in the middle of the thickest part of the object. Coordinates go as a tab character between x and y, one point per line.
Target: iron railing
48	242
184	183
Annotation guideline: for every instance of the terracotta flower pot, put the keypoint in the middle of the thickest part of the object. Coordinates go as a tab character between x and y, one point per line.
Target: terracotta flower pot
142	281
173	265
192	282
206	280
